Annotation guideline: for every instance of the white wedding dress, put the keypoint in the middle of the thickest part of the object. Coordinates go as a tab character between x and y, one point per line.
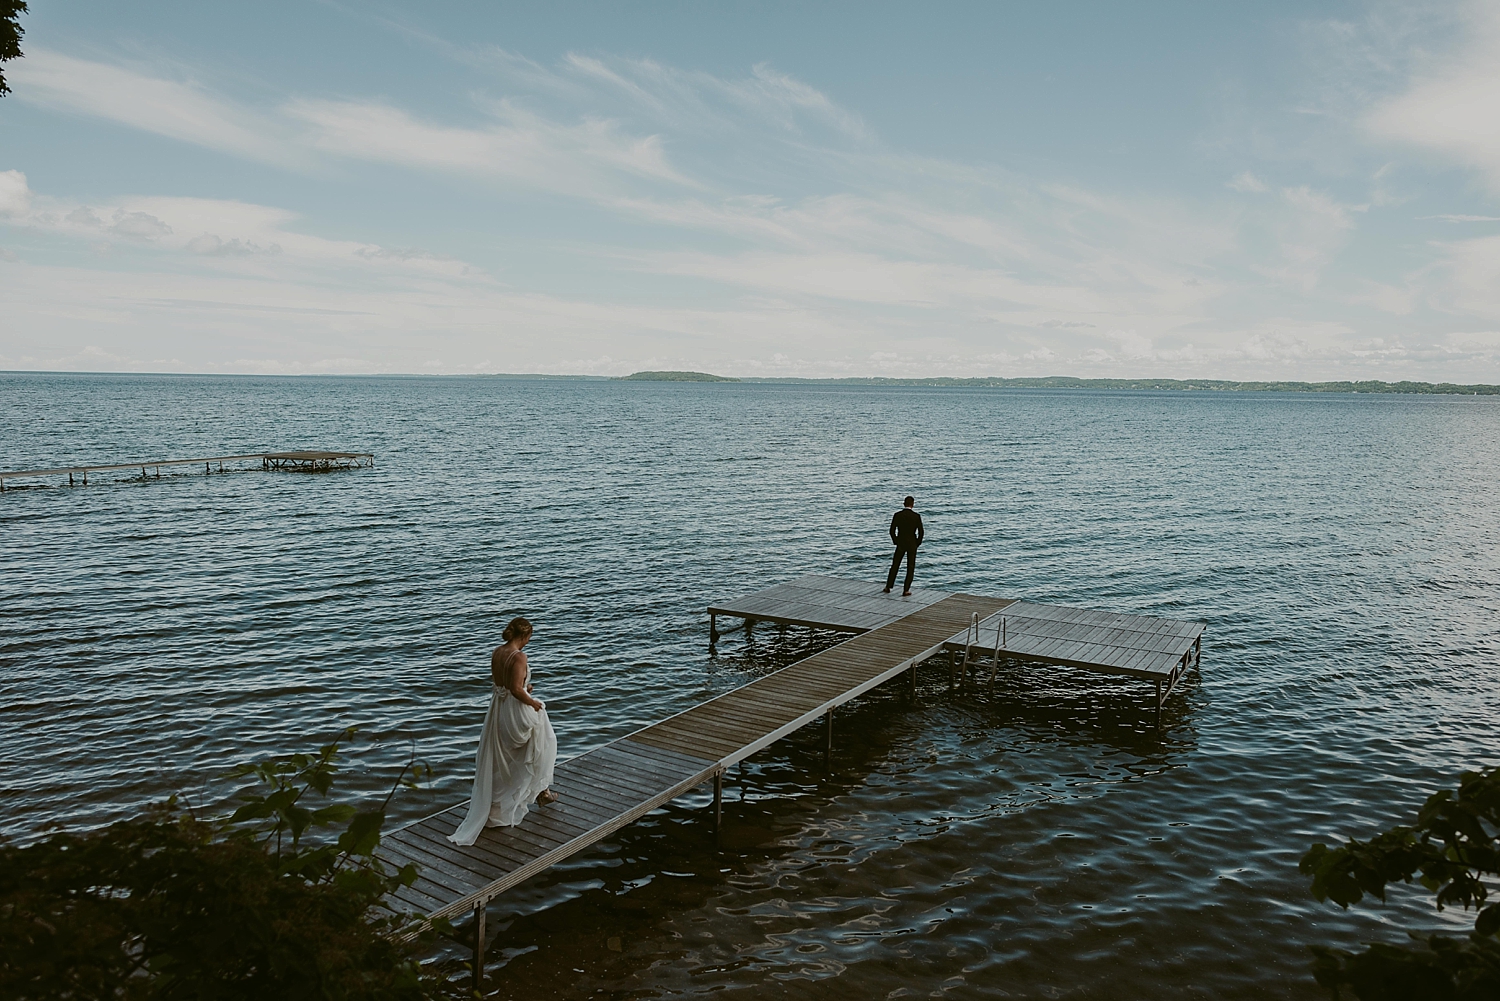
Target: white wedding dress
517	752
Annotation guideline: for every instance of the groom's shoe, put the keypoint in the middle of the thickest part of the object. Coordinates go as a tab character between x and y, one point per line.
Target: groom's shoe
906	594
886	591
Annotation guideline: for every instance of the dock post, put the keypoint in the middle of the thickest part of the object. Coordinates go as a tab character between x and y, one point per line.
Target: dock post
749	625
70	479
1158	703
913	671
718	802
479	950
828	739
713	629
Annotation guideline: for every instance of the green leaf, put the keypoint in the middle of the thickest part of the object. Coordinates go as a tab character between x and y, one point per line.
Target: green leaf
336	813
1488	921
363	834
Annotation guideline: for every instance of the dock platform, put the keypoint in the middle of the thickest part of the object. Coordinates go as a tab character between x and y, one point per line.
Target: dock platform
301	462
833	603
1138	646
605	789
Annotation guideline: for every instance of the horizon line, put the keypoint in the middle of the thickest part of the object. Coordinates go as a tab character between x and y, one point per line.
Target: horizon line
944	381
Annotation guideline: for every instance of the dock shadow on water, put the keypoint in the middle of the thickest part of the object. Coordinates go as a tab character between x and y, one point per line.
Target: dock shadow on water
854	875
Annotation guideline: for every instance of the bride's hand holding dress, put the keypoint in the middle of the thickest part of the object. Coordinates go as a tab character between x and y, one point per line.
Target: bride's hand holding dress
517	748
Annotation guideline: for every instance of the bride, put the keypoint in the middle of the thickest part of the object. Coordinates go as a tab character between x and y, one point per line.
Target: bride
517	749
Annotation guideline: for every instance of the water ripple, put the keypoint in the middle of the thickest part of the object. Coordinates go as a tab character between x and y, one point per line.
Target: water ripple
1037	840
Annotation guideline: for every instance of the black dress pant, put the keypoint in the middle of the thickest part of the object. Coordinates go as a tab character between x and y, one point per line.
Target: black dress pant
910	552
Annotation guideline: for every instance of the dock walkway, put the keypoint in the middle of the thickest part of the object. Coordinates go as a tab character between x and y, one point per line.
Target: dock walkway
302	462
607	788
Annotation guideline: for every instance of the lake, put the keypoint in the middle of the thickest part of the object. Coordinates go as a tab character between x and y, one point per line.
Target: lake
1041	840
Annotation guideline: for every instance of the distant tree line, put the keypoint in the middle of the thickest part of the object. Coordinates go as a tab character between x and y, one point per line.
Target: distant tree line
1215	385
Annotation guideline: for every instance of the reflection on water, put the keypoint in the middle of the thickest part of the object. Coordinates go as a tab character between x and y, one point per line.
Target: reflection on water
1040	839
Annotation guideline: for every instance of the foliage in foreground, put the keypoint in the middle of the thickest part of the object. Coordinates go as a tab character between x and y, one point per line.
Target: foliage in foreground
268	903
10	35
1453	849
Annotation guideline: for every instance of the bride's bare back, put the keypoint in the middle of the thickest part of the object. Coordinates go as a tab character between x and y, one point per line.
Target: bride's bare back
510	671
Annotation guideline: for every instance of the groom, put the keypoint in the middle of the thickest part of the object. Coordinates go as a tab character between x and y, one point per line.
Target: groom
906	533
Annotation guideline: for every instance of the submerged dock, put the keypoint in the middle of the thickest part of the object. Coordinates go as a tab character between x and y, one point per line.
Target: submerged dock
605	789
300	462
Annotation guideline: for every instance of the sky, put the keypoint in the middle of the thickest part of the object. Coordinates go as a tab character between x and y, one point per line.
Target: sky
1240	191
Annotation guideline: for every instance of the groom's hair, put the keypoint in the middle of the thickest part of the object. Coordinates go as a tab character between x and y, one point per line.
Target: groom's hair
909	501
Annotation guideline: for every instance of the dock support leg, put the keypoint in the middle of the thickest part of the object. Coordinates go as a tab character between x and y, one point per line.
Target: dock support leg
479	950
952	663
913	672
1158	703
718	803
713	629
70	479
749	625
828	739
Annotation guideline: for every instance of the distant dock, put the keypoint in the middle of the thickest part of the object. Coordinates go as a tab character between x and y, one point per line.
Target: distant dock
609	787
297	462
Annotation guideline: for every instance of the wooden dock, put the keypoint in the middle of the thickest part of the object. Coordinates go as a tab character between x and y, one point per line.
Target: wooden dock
605	789
1138	646
301	462
844	606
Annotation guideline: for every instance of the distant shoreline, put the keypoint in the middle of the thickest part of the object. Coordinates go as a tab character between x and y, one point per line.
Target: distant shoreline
1373	386
1069	382
1204	385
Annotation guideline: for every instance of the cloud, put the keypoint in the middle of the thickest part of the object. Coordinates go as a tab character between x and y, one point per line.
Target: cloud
1131	344
212	245
180	110
1463	218
1450	110
230	234
519	145
15	196
138	225
514	144
1467	278
1248	183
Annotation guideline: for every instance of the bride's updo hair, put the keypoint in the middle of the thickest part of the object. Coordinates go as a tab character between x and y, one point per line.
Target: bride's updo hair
517	628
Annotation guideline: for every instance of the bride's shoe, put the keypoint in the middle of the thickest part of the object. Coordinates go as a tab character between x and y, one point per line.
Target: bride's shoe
546	796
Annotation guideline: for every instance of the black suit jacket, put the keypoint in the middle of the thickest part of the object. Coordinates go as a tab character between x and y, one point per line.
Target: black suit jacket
906	528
